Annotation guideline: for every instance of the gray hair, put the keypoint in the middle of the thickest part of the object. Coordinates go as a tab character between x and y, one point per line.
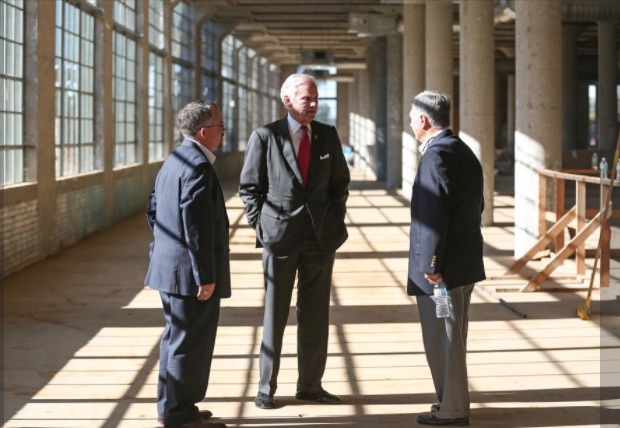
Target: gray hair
289	87
194	116
435	105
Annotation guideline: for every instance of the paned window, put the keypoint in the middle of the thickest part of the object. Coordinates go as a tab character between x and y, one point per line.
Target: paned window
124	94
182	79
74	66
156	107
12	91
125	13
181	25
328	101
156	24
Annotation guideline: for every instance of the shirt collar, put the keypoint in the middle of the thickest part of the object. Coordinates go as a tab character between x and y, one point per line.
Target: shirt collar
429	140
293	125
208	153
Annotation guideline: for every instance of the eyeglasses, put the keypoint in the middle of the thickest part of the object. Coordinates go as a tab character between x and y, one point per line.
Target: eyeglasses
221	125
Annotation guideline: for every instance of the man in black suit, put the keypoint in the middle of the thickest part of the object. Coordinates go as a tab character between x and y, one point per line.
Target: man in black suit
189	264
446	246
294	184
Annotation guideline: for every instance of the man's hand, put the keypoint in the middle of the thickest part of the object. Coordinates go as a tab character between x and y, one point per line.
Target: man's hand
433	278
206	291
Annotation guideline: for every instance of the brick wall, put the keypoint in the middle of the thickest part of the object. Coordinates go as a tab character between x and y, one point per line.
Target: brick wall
20	235
79	213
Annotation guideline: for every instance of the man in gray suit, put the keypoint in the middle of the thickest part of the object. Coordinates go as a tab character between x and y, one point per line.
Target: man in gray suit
189	264
294	184
446	246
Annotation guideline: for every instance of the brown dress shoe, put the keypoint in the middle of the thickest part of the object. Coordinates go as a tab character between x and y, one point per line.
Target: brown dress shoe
204	414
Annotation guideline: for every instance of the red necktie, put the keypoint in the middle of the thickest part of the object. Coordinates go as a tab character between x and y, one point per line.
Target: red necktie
303	157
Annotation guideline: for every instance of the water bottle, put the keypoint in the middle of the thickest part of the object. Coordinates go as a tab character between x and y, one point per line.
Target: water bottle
443	302
603	167
618	171
594	161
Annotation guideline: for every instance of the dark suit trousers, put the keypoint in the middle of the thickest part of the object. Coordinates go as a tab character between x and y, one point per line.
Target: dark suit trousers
445	345
185	355
313	266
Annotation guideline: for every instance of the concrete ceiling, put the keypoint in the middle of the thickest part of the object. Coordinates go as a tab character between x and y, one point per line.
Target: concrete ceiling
304	31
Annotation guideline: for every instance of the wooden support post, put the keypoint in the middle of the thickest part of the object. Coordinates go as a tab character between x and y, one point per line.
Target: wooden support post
560	198
580	203
605	236
542	205
553	232
569	249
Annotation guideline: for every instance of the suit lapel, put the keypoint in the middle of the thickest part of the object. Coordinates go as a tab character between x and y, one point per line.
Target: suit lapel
285	143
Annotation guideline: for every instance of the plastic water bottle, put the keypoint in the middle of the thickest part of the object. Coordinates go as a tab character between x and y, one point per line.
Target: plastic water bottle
443	302
594	161
603	167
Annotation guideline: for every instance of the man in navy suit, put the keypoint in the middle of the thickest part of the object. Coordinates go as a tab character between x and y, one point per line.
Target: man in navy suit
294	184
445	246
189	264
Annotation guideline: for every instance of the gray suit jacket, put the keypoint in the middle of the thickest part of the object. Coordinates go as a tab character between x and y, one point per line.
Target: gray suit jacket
276	201
187	214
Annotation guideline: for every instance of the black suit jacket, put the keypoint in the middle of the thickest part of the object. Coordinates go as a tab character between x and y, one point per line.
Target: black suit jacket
276	201
446	207
187	214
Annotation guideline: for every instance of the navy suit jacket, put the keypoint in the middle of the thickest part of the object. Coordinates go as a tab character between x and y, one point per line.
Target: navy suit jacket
187	213
276	201
446	207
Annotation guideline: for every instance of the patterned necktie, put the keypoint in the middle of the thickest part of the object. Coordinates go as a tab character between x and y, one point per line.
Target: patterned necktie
303	157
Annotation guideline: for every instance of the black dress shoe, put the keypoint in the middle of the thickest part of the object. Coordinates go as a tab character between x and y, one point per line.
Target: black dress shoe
322	397
430	419
264	401
204	414
198	423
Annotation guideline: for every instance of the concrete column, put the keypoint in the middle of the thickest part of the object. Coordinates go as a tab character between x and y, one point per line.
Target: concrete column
285	71
39	117
510	116
607	83
569	87
439	61
379	84
477	91
394	111
539	110
343	112
413	83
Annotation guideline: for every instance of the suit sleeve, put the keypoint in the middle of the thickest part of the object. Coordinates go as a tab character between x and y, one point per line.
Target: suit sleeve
434	212
253	181
197	212
151	209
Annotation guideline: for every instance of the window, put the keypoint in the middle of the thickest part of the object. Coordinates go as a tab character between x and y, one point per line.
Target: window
74	66
124	82
182	79
209	61
328	101
156	107
182	57
125	13
156	24
11	91
157	148
181	28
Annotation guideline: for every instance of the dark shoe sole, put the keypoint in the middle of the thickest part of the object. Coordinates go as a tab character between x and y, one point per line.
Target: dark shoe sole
435	421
